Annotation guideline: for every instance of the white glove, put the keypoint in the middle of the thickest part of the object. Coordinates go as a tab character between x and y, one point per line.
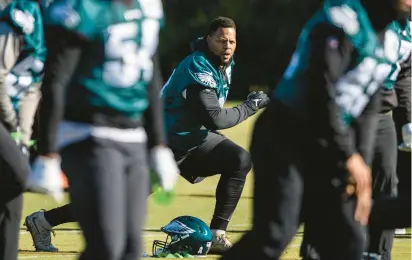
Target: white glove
162	161
45	177
406	138
17	86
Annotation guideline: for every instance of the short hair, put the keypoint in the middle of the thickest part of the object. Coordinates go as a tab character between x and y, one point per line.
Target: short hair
221	22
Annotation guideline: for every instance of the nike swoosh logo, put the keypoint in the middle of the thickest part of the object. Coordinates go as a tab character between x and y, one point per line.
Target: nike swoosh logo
34	224
209	73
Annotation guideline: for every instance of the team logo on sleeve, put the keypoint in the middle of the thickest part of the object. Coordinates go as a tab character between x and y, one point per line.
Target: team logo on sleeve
206	78
346	18
24	19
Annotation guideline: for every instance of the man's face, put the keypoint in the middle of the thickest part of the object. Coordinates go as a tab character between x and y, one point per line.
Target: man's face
223	43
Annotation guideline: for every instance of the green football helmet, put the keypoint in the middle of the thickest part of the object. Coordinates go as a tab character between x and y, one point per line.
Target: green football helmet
185	235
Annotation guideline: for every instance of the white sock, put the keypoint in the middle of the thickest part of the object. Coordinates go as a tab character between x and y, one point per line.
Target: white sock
218	232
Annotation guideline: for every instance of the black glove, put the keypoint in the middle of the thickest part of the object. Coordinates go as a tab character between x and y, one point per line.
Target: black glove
257	100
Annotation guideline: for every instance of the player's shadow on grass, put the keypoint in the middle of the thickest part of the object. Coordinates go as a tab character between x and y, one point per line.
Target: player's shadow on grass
57	229
299	233
206	196
28	252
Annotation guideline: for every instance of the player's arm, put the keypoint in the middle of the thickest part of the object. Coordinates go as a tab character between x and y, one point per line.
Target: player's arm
64	49
205	104
153	116
330	56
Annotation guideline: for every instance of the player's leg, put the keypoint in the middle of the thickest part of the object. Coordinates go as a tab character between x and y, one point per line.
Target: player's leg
9	51
332	230
334	227
384	182
95	169
27	111
219	155
59	215
404	158
400	116
137	183
13	175
278	190
10	213
233	168
40	224
390	213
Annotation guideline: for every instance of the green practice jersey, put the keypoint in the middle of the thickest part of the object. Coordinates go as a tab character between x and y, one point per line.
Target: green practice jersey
403	46
26	19
115	66
370	63
183	127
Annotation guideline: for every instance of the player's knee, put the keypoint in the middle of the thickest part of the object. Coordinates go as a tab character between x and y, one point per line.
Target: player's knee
244	163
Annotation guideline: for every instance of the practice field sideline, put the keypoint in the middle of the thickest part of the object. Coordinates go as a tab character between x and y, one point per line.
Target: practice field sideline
197	200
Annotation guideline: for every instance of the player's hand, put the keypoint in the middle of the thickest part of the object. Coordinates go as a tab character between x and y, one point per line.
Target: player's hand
361	177
163	163
17	86
257	100
45	177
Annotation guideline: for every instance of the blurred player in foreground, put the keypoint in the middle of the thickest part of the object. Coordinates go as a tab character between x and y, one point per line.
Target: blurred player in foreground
101	88
22	55
23	61
314	164
384	167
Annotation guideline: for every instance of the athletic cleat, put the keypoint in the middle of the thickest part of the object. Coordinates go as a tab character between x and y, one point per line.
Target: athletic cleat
220	244
40	231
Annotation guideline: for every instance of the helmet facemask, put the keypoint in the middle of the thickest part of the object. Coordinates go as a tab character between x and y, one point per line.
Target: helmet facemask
160	247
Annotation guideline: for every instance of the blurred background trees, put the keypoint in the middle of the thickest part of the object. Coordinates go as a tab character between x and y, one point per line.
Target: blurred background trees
267	31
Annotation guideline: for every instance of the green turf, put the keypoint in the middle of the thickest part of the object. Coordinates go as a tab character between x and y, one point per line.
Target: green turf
197	200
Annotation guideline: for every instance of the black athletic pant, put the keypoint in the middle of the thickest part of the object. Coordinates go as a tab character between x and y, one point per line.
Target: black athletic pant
404	158
384	182
396	213
218	155
391	213
108	185
60	215
293	174
14	170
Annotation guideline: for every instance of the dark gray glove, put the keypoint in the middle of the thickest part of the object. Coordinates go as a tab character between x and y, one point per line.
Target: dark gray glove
257	100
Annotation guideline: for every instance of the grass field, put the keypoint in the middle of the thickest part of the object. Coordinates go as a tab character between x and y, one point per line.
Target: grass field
197	200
